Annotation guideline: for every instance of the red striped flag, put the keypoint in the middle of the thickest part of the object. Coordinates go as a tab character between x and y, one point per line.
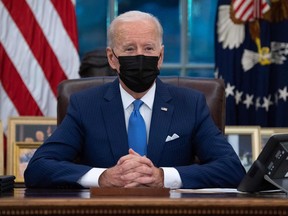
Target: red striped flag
249	10
38	49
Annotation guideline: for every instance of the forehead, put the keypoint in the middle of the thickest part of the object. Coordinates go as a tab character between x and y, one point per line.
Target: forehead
141	31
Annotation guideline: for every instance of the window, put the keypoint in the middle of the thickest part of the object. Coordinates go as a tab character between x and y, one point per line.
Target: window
188	30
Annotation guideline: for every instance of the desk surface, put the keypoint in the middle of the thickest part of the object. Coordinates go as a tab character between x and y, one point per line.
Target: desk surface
79	202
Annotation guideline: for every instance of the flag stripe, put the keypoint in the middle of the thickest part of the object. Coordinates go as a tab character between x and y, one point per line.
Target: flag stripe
46	58
68	19
51	24
26	65
247	14
239	5
256	11
242	11
38	49
6	108
30	107
248	10
265	6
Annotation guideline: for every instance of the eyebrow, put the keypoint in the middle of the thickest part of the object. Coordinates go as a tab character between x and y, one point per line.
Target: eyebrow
128	45
133	44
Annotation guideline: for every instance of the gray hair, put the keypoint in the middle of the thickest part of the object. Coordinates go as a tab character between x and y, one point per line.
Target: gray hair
132	16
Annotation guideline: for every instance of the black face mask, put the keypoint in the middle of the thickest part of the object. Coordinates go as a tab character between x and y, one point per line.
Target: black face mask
138	72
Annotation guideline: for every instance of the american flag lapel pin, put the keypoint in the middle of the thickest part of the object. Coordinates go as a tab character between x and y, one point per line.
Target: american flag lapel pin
164	109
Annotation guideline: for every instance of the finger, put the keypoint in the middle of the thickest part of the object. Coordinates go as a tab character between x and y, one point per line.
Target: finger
131	151
134	158
131	174
111	178
154	180
133	185
128	177
136	167
145	180
127	157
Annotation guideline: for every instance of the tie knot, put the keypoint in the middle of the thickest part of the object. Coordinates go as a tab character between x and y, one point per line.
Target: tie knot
137	104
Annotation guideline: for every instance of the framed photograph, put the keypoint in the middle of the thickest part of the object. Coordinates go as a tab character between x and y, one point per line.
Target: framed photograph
246	142
1	150
23	153
26	130
266	132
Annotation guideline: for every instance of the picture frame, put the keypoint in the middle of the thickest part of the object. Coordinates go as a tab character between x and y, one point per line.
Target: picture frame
23	153
245	140
2	152
266	132
29	131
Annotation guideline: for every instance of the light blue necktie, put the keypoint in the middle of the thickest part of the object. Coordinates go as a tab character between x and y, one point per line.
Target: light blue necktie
137	130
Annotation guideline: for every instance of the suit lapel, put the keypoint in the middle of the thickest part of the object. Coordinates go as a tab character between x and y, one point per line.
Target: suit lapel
113	114
160	122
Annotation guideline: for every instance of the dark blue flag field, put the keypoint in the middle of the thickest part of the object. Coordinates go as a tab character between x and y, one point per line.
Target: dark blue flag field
251	51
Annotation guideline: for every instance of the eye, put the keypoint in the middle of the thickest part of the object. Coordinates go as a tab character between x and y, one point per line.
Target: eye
129	49
149	48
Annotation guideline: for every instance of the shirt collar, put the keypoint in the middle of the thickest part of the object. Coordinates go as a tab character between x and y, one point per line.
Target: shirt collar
148	98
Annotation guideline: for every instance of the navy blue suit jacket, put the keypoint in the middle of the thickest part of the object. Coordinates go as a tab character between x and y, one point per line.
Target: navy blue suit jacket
94	132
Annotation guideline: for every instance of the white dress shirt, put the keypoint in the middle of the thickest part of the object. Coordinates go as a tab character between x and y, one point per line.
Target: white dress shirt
171	176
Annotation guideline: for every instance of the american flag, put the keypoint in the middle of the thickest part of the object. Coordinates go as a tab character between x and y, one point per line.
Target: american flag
248	10
38	49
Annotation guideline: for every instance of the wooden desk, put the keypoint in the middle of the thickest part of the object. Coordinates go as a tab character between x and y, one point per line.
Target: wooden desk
79	202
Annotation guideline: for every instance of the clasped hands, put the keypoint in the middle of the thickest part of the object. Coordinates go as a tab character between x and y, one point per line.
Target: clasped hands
132	170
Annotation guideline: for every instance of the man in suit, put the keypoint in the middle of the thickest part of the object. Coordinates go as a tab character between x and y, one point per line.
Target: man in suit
177	126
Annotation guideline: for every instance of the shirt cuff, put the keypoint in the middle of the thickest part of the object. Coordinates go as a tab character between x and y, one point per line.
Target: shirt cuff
91	178
171	178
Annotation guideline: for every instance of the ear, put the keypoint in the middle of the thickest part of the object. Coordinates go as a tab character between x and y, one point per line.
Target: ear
161	57
111	58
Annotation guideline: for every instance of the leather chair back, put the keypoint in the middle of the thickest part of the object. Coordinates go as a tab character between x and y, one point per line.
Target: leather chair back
213	89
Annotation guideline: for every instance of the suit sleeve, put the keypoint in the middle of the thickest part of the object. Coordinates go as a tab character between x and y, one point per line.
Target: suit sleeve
219	164
53	164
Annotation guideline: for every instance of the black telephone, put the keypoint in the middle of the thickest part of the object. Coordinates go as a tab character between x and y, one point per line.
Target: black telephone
270	170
